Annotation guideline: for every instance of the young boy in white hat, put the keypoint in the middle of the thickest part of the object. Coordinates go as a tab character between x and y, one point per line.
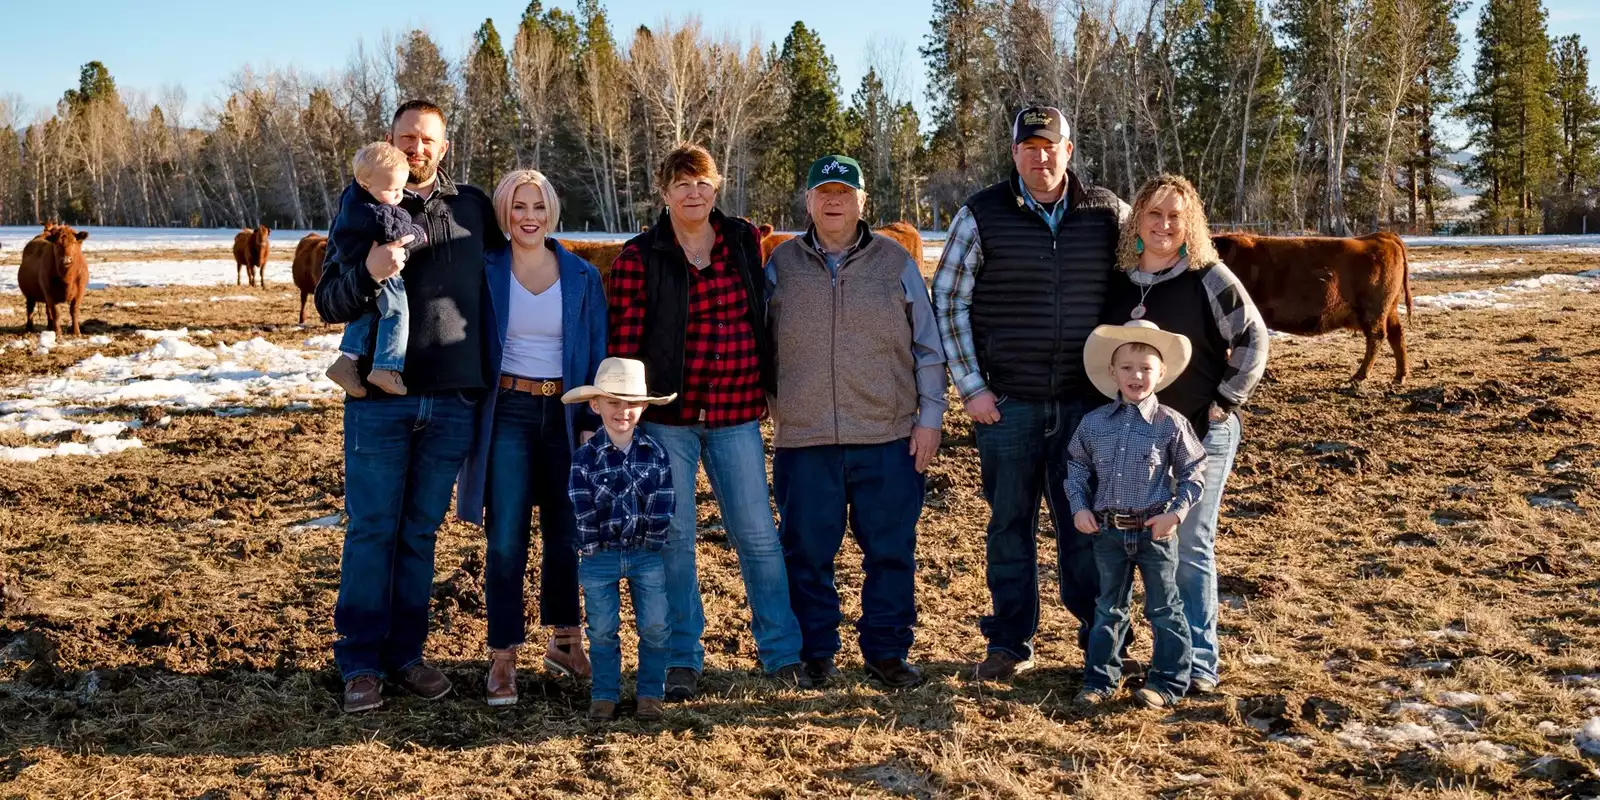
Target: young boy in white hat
1135	449
621	490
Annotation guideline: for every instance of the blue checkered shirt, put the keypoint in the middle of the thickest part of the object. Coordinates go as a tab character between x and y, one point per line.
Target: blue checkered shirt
623	499
1134	452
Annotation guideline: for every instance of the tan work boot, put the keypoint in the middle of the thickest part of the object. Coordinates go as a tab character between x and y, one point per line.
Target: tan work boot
649	709
565	653
425	681
602	711
387	380
501	688
347	374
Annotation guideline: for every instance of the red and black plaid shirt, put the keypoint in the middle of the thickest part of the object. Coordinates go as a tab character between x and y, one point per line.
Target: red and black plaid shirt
721	369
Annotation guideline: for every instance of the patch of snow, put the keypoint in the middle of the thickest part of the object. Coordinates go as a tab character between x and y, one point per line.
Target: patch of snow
1582	680
1548	728
236	298
1296	742
1561	241
1500	298
1258	660
320	523
1435	666
1587	739
1484	749
98	447
1459	699
1403	732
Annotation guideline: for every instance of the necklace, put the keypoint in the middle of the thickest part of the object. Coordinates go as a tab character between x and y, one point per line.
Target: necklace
698	259
1139	311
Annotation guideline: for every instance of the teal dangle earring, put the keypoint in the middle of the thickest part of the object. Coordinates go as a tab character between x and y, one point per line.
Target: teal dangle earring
1138	244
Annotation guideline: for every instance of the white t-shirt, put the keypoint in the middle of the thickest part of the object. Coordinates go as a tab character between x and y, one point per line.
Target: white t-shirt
533	332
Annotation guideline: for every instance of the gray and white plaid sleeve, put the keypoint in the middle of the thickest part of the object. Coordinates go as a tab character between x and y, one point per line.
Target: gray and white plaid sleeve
952	303
1239	322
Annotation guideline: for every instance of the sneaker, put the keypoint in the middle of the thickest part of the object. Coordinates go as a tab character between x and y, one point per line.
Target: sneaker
894	673
649	709
388	380
424	681
1091	697
793	676
565	653
821	671
682	684
602	711
362	693
501	686
999	665
1202	687
347	374
1150	698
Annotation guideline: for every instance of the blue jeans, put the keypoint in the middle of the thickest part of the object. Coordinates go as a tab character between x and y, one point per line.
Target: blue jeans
601	575
401	456
1023	457
1117	553
393	328
736	465
878	490
529	463
1197	539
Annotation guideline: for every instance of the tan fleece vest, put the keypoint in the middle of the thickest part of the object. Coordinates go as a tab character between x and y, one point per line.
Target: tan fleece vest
846	373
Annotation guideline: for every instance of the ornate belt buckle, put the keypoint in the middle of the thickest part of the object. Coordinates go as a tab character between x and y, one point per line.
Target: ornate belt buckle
548	388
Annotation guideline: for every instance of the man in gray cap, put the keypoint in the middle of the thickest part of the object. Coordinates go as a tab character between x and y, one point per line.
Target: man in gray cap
1016	293
857	417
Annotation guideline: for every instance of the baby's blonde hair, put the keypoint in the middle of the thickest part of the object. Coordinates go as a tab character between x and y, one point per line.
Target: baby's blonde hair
376	160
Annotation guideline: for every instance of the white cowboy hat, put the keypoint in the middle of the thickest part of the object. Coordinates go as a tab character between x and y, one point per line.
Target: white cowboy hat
619	379
1174	347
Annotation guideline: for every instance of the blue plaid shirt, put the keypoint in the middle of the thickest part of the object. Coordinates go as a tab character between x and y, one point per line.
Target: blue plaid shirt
1135	452
623	499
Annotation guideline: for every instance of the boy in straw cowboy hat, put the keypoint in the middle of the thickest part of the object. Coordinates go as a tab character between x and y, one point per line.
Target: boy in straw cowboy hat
1134	449
621	489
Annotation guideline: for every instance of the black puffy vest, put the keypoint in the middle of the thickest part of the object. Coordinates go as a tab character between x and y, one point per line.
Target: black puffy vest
1038	295
1180	305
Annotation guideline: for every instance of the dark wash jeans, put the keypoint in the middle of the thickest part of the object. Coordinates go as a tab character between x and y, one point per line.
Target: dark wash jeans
1119	554
877	490
529	464
1024	457
401	456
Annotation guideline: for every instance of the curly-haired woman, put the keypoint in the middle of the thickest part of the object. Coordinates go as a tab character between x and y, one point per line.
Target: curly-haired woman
1171	275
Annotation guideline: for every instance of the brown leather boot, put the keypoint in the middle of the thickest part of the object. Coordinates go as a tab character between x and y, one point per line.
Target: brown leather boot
565	653
388	380
502	683
347	374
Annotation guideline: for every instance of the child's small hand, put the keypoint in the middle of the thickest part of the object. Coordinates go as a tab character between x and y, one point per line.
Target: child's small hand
1085	522
1162	526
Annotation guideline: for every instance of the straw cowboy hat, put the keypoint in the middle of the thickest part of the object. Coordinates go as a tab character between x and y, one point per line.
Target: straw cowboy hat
619	379
1105	340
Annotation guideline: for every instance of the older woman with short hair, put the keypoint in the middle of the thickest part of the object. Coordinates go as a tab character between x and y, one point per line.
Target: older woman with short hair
550	313
1170	274
688	298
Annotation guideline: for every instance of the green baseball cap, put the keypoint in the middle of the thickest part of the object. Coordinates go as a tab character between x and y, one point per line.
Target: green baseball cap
834	169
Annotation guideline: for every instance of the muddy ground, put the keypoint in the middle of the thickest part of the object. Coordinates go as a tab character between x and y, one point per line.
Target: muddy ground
1410	588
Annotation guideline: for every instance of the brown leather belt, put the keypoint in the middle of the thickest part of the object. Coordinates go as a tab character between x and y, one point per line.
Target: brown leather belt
1128	520
542	388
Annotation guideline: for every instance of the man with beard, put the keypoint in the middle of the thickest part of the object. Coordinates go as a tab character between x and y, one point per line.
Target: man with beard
402	452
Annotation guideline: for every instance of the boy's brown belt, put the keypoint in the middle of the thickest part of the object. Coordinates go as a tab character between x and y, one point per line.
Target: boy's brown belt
542	388
1128	520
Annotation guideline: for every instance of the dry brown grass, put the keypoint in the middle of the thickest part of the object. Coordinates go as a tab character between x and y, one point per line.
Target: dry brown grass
163	633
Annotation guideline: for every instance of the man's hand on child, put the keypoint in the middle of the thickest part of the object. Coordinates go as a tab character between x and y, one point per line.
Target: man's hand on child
1162	526
385	260
1085	522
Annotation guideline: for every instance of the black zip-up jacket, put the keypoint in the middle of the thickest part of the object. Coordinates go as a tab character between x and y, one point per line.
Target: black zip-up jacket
363	221
446	294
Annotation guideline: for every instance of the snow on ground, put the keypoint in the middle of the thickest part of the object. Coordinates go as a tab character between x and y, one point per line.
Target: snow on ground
15	237
176	372
1501	298
1556	240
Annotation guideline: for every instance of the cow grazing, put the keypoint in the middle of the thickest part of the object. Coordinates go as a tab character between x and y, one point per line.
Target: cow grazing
904	233
600	254
1308	285
54	271
307	270
250	253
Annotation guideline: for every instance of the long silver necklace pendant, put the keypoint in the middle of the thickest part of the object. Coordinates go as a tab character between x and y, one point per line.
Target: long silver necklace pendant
1138	312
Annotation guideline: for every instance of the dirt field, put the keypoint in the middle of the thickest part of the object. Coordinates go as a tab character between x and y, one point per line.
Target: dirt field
1410	589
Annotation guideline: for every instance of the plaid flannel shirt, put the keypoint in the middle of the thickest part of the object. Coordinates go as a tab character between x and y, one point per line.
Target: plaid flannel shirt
721	369
622	499
952	303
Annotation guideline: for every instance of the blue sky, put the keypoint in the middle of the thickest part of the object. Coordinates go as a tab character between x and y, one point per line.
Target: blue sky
199	44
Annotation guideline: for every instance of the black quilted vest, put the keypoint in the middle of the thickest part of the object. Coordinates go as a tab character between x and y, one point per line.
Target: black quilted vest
1038	295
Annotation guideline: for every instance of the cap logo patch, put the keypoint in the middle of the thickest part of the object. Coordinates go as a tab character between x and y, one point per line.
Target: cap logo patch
836	167
1036	118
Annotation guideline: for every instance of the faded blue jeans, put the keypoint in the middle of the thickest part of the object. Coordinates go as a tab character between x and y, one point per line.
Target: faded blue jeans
601	575
393	323
401	456
1197	538
1118	554
736	465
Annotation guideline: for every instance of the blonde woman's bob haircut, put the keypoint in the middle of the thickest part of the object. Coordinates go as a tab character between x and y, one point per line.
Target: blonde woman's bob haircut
1197	232
507	189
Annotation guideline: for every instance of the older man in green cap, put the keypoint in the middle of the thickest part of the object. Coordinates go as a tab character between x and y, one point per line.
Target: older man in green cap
858	412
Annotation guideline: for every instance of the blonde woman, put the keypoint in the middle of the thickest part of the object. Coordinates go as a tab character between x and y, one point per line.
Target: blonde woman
550	316
1169	274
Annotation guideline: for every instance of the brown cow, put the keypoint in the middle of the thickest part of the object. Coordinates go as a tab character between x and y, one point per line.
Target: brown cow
600	254
904	233
250	253
1308	285
54	271
307	269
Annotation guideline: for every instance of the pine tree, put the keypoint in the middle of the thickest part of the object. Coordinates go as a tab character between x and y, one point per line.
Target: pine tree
1432	96
1512	114
490	116
959	53
1579	115
812	125
421	72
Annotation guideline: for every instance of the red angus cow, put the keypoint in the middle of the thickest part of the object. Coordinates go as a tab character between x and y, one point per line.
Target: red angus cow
250	253
1308	285
53	271
309	254
904	233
